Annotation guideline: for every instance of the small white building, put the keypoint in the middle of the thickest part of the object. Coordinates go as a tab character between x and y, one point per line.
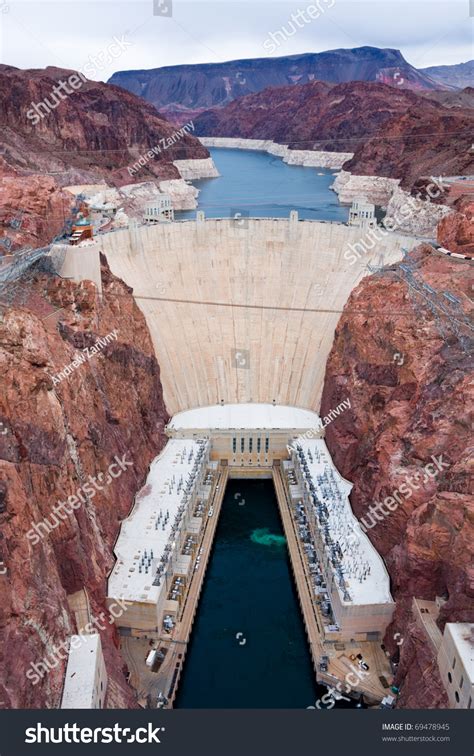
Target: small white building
85	683
456	664
160	210
362	214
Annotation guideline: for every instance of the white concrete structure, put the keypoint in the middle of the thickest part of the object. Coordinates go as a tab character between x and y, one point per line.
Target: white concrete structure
196	168
246	435
456	664
243	416
243	314
80	262
159	211
85	683
362	214
149	546
356	581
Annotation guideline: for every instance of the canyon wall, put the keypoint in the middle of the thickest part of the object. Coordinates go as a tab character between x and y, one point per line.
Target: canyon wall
55	433
37	204
98	134
392	132
408	378
455	232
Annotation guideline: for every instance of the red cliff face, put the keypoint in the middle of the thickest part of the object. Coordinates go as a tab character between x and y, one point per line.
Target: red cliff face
91	136
53	436
335	117
407	377
392	132
456	231
33	209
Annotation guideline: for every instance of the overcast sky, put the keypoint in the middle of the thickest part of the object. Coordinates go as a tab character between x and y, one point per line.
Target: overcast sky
65	33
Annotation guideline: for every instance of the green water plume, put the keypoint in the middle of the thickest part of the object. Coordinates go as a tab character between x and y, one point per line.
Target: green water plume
263	537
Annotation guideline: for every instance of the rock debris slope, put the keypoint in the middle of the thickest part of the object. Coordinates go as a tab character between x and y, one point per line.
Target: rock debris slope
54	435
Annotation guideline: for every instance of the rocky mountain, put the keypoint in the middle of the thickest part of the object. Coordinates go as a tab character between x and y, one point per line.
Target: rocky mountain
460	75
422	142
96	131
392	132
408	381
460	98
309	116
455	232
33	208
87	133
183	91
55	433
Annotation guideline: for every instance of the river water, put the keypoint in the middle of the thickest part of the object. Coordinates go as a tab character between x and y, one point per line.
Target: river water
263	186
248	647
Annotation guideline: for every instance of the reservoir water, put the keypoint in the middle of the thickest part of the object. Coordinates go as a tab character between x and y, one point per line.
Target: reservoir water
263	186
248	646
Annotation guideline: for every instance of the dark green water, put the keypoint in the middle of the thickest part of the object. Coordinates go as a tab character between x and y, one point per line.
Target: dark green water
248	596
263	186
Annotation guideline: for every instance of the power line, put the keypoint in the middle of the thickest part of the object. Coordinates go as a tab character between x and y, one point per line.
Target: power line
355	311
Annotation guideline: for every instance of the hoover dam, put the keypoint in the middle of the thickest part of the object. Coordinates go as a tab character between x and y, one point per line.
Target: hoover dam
243	310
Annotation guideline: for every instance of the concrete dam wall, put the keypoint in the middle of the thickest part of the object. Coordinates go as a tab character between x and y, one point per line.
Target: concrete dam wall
243	312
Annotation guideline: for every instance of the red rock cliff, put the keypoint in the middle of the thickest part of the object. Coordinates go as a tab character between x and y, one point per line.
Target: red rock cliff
91	136
392	132
407	377
456	231
53	436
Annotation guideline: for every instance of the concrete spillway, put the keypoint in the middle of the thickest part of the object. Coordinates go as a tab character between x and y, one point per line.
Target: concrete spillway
243	313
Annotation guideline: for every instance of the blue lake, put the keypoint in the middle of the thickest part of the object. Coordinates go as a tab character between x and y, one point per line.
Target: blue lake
263	186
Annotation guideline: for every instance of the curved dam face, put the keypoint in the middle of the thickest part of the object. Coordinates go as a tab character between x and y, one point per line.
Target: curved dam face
244	311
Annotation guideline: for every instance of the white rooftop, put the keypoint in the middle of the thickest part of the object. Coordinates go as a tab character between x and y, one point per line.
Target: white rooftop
365	576
146	536
80	679
245	417
462	634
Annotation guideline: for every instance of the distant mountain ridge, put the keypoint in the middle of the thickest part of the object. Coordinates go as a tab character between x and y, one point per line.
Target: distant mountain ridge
460	75
183	91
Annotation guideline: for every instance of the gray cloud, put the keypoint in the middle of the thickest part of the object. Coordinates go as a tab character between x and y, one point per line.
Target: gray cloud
66	33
